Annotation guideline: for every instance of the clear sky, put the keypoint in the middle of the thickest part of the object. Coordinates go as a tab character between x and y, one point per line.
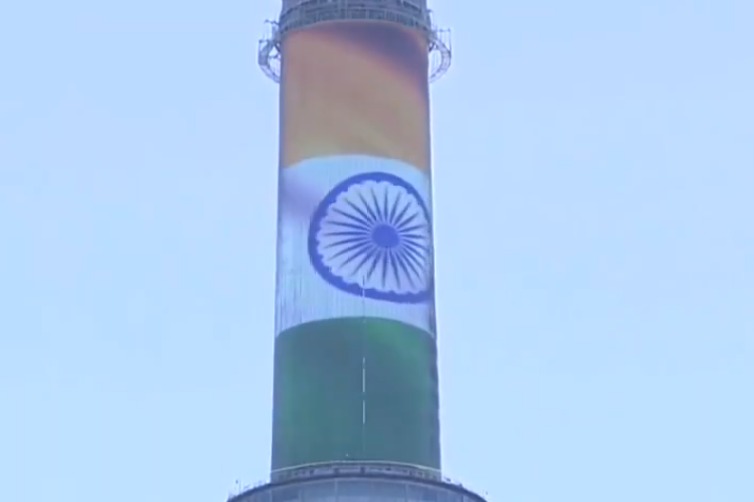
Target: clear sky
594	168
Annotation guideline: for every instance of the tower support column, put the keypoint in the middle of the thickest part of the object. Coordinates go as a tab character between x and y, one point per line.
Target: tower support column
356	399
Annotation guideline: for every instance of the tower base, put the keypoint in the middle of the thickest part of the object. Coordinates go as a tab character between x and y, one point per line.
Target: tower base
358	482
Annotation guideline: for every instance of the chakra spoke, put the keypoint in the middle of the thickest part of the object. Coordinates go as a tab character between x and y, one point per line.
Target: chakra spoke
374	265
413	228
415	237
394	209
348	233
345	224
343	242
408	219
420	248
409	268
376	206
383	258
367	219
353	217
385	207
369	254
394	266
368	206
418	258
399	218
349	249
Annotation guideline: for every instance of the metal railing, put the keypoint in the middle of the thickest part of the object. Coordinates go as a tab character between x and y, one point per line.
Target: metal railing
308	12
317	11
321	470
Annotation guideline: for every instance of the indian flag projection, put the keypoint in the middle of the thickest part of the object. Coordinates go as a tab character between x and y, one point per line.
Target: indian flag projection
355	347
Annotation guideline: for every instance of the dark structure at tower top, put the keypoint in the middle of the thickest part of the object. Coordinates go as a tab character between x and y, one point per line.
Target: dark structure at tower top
298	14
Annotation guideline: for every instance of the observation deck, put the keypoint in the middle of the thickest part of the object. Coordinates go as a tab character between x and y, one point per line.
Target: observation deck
357	482
298	14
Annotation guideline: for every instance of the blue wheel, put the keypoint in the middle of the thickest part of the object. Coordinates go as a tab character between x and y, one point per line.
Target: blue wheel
372	236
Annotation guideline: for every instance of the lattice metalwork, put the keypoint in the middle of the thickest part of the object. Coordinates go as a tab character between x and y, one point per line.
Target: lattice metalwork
297	14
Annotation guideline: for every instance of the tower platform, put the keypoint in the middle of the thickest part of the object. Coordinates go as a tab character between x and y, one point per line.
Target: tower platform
357	482
300	14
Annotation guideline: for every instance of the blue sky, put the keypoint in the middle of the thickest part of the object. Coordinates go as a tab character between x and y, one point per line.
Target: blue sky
594	180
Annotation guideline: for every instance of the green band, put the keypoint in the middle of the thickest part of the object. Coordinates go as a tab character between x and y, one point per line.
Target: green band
355	389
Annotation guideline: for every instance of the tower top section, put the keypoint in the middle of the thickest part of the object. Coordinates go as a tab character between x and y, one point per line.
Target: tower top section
299	14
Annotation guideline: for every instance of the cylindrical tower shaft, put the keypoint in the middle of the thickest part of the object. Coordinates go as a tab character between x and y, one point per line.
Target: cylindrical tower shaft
355	348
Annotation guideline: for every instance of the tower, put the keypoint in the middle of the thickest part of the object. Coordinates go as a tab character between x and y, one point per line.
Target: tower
355	412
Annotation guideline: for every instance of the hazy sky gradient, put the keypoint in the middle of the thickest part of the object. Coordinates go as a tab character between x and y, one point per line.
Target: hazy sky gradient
594	190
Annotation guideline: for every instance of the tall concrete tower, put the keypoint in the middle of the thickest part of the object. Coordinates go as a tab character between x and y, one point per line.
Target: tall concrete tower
355	386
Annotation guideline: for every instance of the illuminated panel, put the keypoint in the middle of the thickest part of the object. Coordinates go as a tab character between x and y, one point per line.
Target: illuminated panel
355	348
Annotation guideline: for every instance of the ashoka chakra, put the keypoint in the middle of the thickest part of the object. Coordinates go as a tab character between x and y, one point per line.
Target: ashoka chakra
371	236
